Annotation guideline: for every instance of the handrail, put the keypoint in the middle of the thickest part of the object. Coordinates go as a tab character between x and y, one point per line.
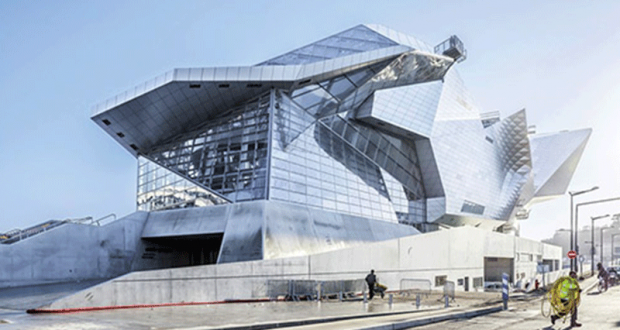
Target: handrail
17	234
80	220
107	216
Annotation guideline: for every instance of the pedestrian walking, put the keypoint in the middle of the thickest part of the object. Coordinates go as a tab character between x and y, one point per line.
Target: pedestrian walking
371	280
568	294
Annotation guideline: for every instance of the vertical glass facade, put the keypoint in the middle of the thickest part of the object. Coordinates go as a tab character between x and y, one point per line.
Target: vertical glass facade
227	156
161	189
321	169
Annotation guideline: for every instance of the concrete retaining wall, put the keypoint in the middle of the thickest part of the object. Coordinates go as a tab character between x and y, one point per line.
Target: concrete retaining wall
72	252
455	253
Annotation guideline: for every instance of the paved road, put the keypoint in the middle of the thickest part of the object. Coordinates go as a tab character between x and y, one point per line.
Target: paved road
14	301
597	311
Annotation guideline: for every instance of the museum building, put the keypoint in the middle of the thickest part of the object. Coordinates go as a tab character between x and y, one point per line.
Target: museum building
368	135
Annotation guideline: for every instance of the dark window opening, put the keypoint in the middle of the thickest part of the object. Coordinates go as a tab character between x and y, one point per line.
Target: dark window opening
107	122
133	146
194	85
254	85
223	85
471	207
488	139
120	134
305	81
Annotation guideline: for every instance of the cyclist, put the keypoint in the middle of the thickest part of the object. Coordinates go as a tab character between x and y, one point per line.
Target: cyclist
602	275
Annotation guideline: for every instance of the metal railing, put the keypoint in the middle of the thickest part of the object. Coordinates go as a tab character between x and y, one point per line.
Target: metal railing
415	286
98	221
452	47
342	288
448	290
17	235
313	290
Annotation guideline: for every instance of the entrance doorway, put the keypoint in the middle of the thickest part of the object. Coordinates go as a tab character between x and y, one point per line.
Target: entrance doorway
182	251
495	267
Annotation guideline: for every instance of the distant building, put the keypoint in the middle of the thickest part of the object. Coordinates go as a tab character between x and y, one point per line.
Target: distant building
610	242
561	238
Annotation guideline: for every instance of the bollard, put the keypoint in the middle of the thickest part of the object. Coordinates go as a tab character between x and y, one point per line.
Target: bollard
391	299
340	296
447	301
505	290
365	298
417	301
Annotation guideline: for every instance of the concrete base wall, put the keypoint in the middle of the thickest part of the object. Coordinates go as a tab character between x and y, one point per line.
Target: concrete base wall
72	252
251	231
455	253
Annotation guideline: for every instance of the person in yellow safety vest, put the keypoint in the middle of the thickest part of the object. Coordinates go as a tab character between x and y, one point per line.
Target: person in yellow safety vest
568	292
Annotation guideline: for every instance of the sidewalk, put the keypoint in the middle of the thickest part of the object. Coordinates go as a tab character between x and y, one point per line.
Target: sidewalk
375	314
260	315
596	311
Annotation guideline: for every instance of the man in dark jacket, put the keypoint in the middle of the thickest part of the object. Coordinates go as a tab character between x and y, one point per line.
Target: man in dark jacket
371	279
602	274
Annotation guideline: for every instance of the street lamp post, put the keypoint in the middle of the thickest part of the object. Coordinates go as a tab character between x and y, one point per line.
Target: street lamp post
586	204
581	268
612	247
592	231
602	240
573	232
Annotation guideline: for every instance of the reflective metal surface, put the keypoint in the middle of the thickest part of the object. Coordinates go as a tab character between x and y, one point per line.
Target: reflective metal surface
369	123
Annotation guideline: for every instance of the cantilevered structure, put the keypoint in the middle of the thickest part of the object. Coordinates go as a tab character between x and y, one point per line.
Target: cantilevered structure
366	126
368	135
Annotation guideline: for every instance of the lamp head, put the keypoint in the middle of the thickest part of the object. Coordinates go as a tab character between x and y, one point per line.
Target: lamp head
575	193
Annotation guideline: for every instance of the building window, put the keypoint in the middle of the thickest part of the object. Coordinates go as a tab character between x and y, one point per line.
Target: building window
478	282
440	280
471	207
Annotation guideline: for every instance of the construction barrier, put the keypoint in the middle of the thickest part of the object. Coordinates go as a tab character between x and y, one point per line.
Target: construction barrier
312	290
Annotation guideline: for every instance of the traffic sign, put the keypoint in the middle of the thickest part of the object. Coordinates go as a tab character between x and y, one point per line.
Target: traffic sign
571	254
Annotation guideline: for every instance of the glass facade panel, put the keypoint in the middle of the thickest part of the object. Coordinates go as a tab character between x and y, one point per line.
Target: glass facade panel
161	189
227	155
322	165
355	40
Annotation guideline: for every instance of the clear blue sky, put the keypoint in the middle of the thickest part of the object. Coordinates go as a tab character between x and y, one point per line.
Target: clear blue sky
558	59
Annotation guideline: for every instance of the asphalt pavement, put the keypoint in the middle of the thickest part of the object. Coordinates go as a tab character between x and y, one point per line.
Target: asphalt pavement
469	310
597	311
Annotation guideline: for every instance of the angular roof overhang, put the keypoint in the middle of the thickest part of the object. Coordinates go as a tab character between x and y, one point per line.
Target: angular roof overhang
182	99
